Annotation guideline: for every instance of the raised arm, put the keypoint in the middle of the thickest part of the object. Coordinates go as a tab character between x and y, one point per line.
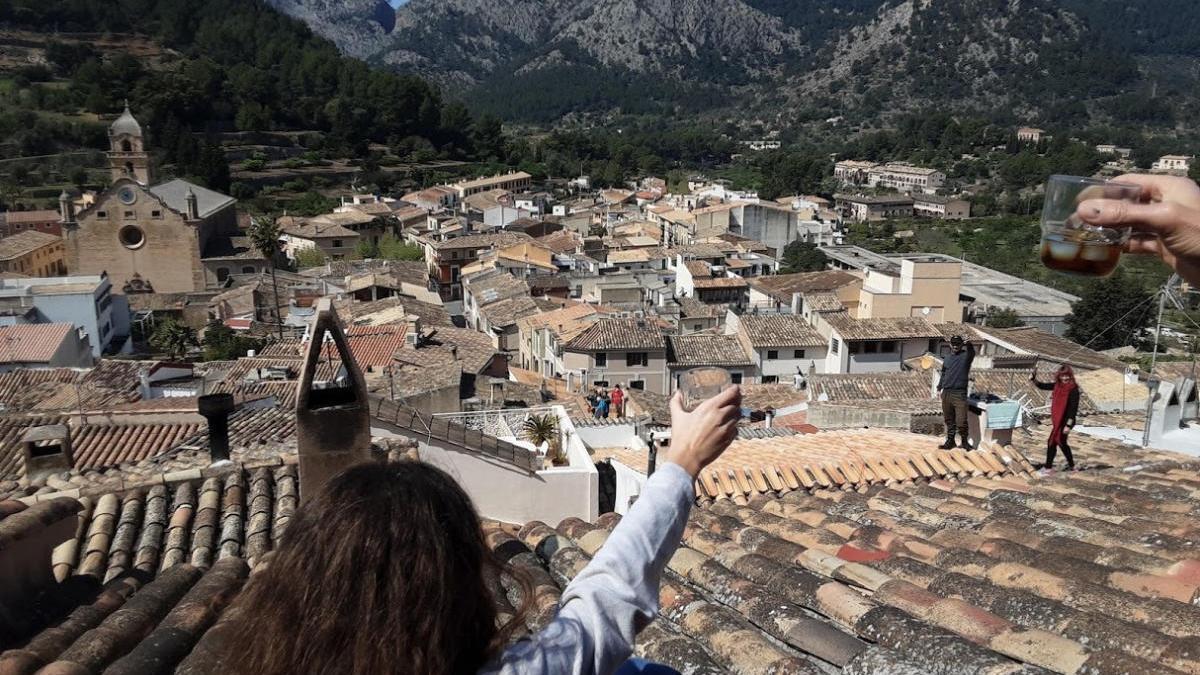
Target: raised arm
616	595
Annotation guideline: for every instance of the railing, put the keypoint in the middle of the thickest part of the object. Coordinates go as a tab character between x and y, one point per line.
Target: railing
450	428
498	423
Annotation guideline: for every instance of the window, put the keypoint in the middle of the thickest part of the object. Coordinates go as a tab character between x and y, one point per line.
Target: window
222	273
798	354
248	270
637	384
870	347
772	355
636	359
770	379
600	383
933	346
735	378
156	214
834	344
337	243
130	215
102	214
854	347
887	347
131	237
601	359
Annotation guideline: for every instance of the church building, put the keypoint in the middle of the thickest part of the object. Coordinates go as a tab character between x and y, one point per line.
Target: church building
172	237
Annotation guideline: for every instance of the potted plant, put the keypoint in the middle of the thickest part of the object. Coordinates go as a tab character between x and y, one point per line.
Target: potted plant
539	429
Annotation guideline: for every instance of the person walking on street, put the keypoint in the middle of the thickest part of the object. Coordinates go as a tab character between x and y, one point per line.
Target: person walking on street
956	371
618	402
1064	405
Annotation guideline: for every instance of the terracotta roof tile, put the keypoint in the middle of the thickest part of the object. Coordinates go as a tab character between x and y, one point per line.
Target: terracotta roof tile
705	350
613	334
882	329
779	330
32	343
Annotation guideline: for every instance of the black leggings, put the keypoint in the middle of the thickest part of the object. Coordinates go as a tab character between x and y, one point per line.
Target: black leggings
1052	449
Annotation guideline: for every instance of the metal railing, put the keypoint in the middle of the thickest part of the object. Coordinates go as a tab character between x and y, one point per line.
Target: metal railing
470	431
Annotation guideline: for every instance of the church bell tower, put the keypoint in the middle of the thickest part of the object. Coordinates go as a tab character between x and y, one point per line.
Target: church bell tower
127	156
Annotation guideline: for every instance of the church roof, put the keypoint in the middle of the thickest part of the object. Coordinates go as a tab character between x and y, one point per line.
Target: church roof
173	193
125	124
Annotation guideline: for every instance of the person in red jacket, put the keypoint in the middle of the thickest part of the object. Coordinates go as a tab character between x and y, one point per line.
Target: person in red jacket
1064	405
618	401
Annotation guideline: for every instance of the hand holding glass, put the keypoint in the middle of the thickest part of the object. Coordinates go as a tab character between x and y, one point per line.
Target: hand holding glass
700	384
1070	245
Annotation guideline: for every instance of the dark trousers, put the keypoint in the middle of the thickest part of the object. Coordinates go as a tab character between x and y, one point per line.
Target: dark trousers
954	411
1052	449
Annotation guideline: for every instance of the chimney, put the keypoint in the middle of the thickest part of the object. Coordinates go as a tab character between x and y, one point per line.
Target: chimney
769	418
193	207
216	408
47	450
66	208
333	423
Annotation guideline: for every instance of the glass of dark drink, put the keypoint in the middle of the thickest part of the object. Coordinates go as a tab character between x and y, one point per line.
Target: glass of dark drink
1072	246
700	384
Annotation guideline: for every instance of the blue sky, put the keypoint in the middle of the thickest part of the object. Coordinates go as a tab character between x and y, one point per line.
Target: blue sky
397	3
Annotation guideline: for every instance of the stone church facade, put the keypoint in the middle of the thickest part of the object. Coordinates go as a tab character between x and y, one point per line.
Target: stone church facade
171	237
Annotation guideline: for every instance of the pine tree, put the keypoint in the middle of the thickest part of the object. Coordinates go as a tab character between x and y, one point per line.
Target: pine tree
1112	312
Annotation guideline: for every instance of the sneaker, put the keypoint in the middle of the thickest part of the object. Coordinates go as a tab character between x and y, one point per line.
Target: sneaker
1045	472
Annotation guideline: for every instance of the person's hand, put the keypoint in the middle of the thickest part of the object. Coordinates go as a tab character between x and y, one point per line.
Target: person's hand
700	436
1165	223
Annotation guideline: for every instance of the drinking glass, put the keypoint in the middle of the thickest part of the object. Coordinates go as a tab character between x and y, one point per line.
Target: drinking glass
700	384
1072	246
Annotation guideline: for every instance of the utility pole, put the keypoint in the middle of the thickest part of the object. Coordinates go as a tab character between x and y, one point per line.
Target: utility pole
1152	381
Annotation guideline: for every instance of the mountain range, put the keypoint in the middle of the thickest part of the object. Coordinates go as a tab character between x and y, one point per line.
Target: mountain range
785	60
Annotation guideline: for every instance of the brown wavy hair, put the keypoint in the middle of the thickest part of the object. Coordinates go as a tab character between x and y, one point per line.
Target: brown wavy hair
383	571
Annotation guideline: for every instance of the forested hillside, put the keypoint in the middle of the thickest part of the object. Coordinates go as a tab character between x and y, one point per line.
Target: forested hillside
222	65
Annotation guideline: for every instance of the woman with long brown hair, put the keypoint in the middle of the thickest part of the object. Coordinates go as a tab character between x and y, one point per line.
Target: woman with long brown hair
385	571
1064	406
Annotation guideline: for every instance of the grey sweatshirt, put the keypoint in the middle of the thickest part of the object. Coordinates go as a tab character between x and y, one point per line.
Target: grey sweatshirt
956	369
616	595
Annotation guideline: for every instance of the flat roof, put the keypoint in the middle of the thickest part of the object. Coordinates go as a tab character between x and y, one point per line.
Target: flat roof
997	289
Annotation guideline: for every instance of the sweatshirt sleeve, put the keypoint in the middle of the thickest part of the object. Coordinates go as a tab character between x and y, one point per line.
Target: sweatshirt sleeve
616	595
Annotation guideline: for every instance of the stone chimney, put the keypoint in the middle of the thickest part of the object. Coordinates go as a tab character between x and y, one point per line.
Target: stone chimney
216	408
66	208
193	206
47	450
333	423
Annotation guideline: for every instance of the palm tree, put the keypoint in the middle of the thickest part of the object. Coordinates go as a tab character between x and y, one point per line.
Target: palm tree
264	234
174	338
538	429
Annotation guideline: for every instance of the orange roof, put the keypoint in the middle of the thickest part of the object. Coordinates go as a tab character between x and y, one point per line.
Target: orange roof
374	346
32	343
839	458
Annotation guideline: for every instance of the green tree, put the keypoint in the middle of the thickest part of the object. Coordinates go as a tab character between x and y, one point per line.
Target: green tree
173	337
1004	318
802	256
366	250
1111	312
264	235
311	204
391	248
309	257
222	343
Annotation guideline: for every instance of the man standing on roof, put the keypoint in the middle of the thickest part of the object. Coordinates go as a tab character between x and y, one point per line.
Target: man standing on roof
956	371
618	402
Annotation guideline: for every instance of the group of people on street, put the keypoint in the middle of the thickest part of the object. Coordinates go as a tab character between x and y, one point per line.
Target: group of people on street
603	403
